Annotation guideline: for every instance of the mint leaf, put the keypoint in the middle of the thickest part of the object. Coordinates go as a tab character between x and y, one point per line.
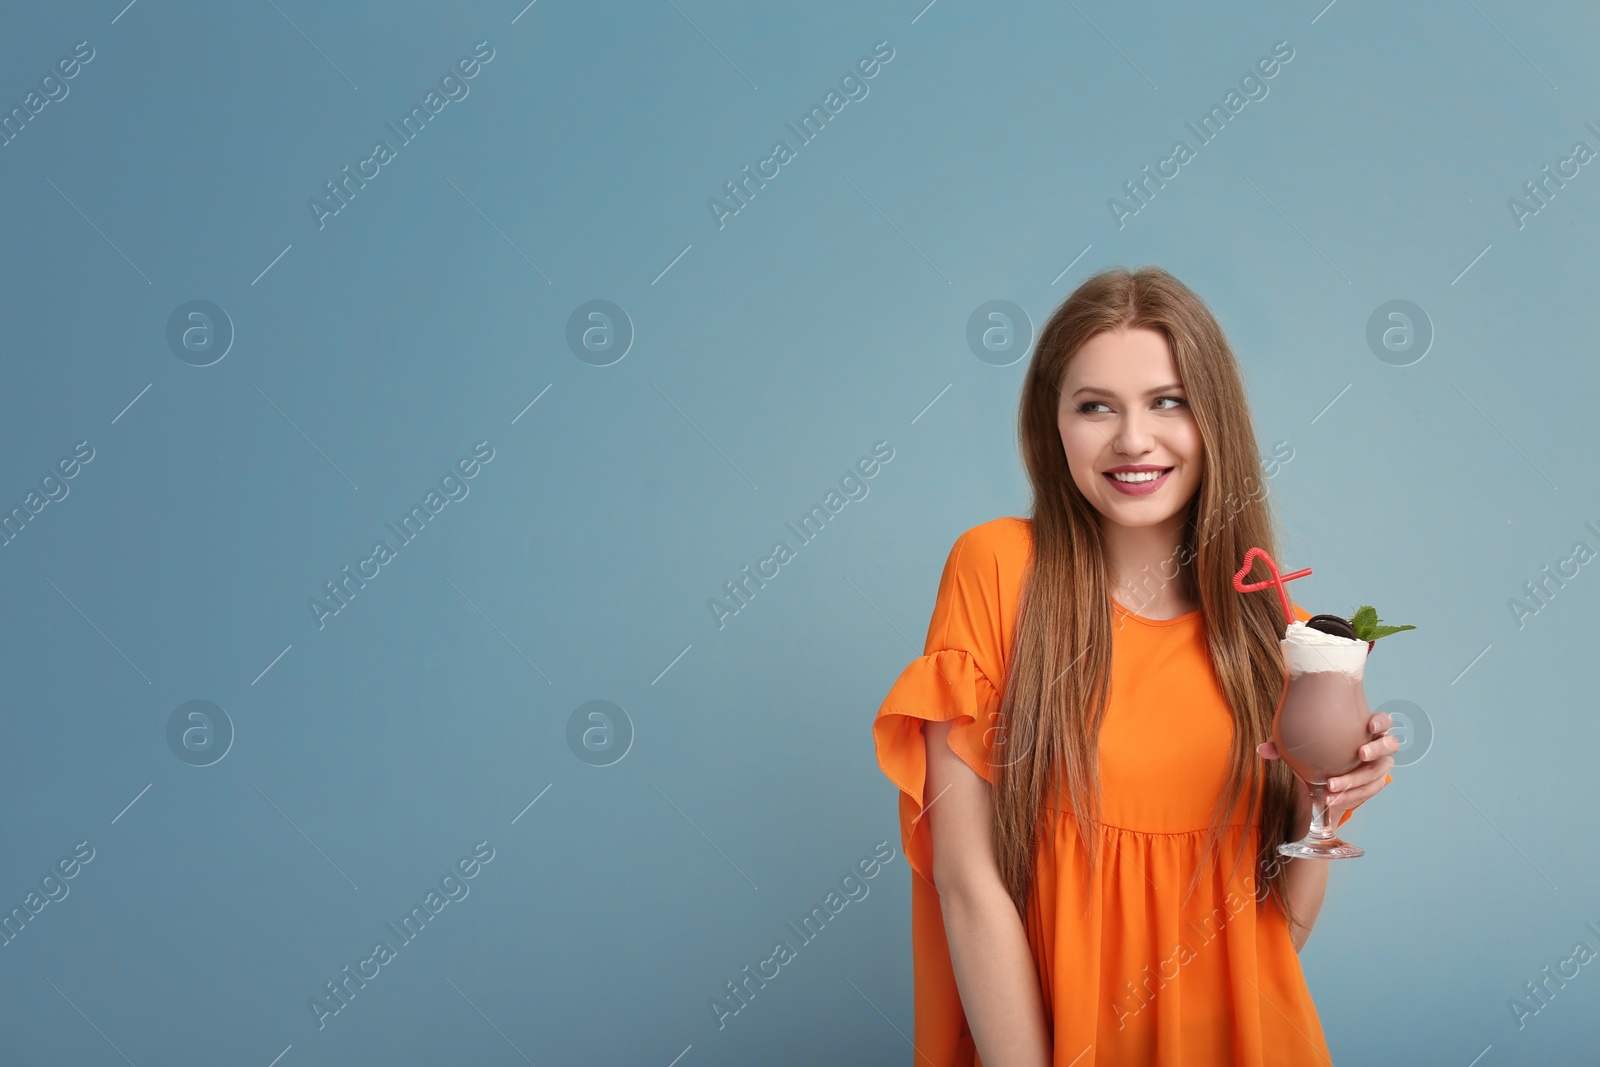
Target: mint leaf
1385	631
1367	625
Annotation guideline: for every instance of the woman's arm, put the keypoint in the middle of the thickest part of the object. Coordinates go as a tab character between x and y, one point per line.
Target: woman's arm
1306	881
1305	885
994	968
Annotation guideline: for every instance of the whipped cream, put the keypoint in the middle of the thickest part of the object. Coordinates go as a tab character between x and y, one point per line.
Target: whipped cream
1307	651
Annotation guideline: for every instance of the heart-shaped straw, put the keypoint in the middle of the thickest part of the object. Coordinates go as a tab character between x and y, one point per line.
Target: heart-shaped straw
1277	580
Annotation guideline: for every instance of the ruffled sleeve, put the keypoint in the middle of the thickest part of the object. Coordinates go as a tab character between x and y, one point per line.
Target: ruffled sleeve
957	679
1302	614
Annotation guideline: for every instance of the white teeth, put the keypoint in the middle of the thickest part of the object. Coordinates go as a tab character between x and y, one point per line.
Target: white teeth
1140	476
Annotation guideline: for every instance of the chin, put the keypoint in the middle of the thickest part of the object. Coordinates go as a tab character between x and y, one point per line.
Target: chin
1140	518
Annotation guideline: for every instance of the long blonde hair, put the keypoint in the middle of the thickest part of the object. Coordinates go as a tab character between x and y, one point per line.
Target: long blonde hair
1059	677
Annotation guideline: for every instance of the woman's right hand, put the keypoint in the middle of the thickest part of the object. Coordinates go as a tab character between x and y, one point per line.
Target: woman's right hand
996	977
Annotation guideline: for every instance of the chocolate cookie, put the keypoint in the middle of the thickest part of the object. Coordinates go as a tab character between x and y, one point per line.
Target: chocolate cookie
1332	624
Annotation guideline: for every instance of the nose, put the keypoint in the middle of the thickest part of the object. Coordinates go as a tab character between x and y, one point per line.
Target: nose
1133	437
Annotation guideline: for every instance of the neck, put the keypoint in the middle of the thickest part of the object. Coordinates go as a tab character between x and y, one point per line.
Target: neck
1142	563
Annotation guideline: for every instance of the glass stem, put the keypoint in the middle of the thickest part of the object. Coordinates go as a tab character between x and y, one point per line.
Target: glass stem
1320	829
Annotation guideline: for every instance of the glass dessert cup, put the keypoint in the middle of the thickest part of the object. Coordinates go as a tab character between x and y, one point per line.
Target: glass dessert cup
1320	727
1323	720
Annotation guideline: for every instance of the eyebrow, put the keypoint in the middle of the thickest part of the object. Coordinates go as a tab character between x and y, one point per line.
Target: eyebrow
1097	390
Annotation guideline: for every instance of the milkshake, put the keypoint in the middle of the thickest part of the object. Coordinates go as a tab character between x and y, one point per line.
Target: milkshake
1322	723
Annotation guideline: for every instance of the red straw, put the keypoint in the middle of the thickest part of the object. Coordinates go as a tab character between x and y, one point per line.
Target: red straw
1277	579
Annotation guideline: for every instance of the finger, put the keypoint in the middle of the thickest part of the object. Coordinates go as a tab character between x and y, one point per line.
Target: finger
1341	802
1267	750
1371	771
1379	722
1386	745
1355	793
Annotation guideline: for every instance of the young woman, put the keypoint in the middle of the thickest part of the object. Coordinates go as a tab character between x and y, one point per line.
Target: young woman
1083	749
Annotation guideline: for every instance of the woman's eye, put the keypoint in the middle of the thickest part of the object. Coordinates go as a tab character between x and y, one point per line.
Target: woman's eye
1088	407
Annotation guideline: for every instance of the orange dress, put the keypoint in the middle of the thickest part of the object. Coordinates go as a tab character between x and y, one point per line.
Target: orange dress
1144	977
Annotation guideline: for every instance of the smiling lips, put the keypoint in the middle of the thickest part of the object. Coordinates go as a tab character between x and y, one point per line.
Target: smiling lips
1137	479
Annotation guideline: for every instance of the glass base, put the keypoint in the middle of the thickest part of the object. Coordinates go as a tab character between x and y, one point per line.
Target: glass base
1327	848
1320	842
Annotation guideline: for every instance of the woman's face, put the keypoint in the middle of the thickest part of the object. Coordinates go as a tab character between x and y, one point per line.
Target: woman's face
1124	410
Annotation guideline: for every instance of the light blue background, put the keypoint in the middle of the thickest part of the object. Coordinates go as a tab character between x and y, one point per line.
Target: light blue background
825	316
